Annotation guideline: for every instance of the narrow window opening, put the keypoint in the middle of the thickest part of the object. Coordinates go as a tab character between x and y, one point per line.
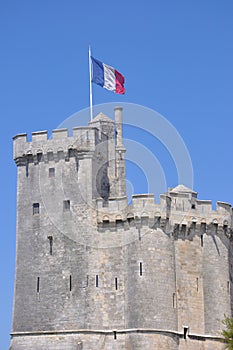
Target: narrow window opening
77	164
225	229
228	287
197	283
193	206
87	136
183	229
105	223
36	208
183	205
115	336
174	300
66	205
27	168
215	228
139	234
38	285
39	157
51	172
87	281
185	332
70	283
140	268
50	238
97	281
203	227
116	285
201	240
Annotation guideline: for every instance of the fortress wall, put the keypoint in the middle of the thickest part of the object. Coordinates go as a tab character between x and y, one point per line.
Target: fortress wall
43	278
151	281
105	298
216	281
189	284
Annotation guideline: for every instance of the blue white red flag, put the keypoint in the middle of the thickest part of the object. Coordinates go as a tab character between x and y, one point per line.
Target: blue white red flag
107	77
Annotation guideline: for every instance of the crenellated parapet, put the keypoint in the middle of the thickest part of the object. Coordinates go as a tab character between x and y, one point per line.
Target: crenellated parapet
179	213
59	146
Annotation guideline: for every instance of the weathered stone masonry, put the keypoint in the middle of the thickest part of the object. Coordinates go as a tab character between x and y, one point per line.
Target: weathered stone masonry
93	272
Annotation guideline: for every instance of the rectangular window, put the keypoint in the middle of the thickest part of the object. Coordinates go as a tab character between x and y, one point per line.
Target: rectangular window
38	285
27	172
140	268
36	208
39	157
97	281
70	283
50	238
66	205
174	300
116	284
51	172
202	241
139	234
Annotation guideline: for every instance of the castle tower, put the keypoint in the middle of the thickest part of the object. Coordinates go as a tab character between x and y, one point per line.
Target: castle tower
93	272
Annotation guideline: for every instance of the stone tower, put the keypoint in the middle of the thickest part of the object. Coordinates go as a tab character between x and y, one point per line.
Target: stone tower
93	272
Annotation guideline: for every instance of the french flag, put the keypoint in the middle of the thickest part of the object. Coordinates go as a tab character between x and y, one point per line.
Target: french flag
107	77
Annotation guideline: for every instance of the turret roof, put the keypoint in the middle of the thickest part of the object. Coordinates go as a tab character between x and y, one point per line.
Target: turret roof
182	189
101	117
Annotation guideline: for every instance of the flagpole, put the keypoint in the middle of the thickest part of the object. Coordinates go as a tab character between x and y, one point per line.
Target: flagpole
90	76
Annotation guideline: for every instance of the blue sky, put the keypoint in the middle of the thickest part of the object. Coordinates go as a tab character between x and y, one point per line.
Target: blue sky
176	56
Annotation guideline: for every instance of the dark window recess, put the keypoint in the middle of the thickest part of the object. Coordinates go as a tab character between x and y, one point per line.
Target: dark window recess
193	206
186	329
174	300
203	227
225	229
39	157
201	240
116	284
139	234
66	205
197	283
140	268
215	228
77	164
70	283
97	281
87	281
36	208
27	168
51	172
38	285
228	287
50	238
114	334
